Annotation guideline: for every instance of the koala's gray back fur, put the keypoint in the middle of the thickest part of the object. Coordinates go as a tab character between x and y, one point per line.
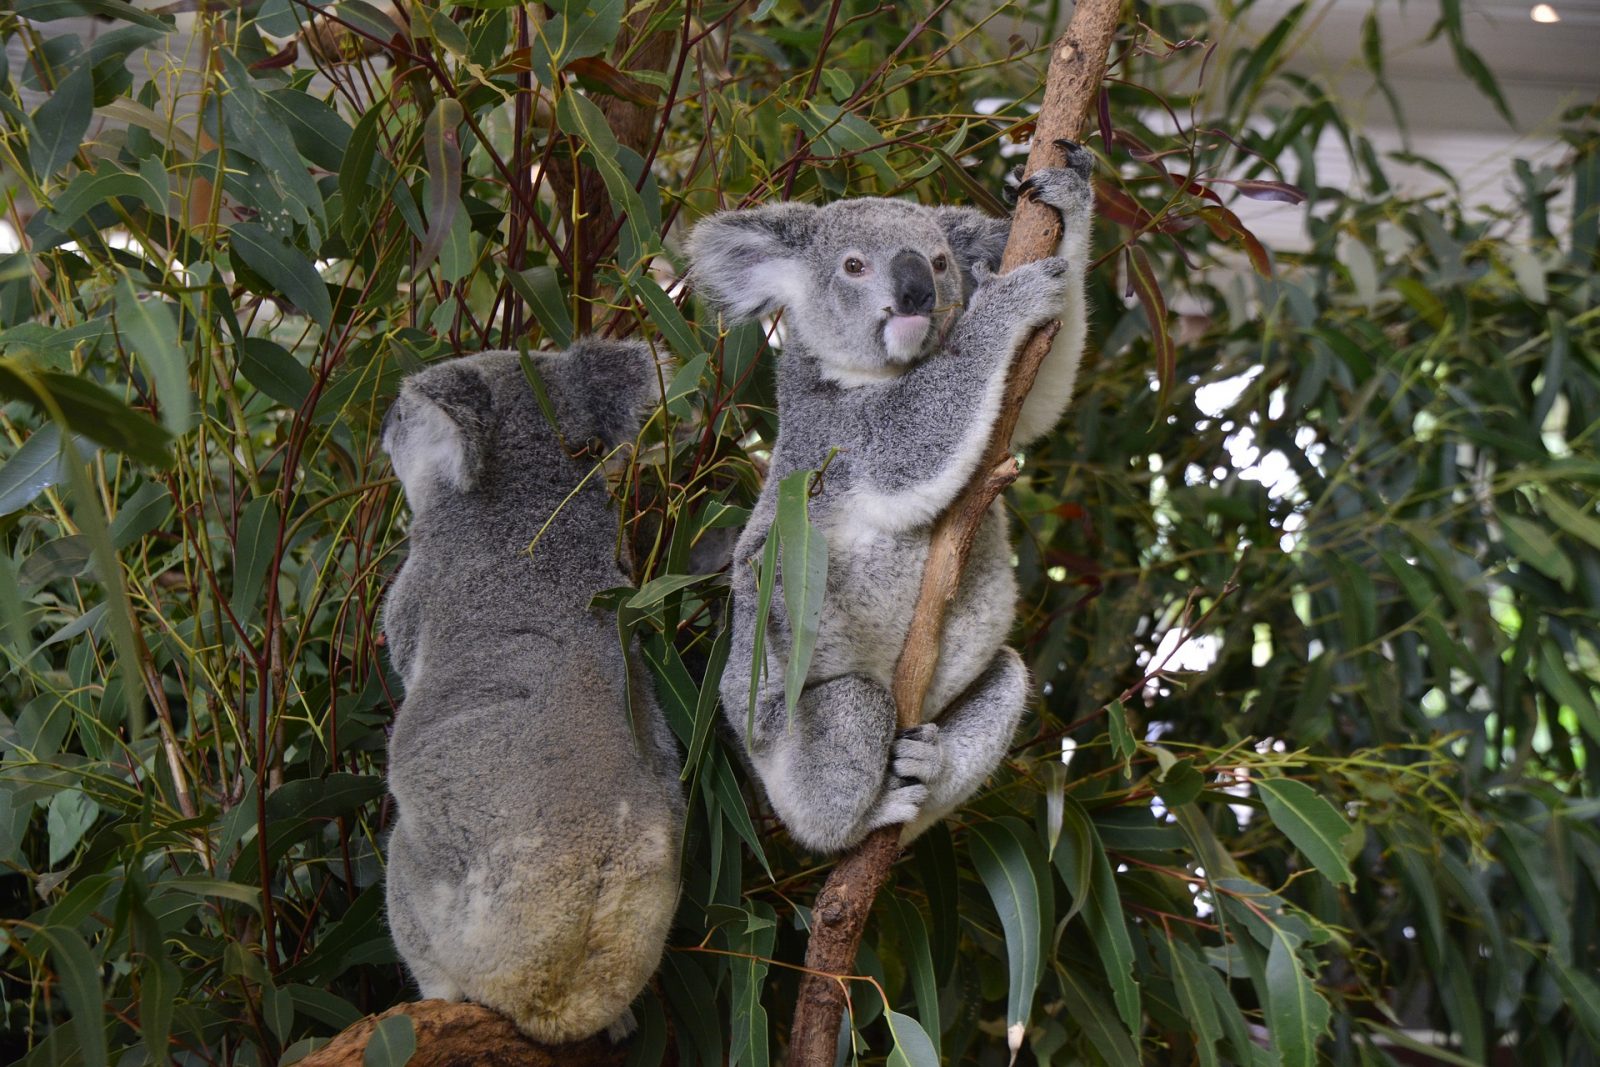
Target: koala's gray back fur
907	386
534	864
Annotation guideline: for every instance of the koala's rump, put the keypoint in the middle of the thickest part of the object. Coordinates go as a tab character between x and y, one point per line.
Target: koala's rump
534	861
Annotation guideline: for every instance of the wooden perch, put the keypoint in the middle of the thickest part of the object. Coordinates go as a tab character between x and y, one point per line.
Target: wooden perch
451	1034
839	914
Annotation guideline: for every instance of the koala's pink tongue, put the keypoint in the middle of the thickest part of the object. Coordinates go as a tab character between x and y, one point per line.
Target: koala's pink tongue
904	333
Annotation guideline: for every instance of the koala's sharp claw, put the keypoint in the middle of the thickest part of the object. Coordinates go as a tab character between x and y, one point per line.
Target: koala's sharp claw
1068	146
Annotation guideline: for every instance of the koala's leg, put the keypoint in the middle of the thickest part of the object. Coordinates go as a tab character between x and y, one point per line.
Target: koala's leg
826	771
956	754
1068	190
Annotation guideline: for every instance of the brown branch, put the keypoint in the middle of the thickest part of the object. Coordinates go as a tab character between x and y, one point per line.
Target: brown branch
449	1034
839	916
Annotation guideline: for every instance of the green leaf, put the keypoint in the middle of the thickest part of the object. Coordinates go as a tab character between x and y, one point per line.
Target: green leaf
256	129
147	327
88	409
581	118
655	591
89	190
283	267
1313	825
253	550
79	976
1083	1004
32	469
1147	287
201	886
140	514
159	987
1194	998
441	147
1580	524
328	797
766	579
60	123
1002	861
273	371
392	1044
910	933
912	1048
754	939
1555	677
666	317
1101	905
1296	1013
1123	742
705	711
541	289
1583	996
805	579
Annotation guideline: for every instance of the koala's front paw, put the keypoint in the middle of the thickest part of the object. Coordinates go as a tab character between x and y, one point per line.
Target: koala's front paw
917	755
1066	189
1031	295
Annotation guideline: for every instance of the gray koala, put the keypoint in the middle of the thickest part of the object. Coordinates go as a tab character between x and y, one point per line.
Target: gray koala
897	342
534	864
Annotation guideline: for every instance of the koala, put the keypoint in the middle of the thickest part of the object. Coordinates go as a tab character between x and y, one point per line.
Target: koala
533	867
897	341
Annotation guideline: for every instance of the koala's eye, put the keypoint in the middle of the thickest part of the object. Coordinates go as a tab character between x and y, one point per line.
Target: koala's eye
940	263
853	265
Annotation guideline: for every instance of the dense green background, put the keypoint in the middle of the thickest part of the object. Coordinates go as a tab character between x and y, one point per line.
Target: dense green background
1377	805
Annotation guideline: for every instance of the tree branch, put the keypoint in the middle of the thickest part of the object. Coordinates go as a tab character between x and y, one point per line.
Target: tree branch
449	1033
839	915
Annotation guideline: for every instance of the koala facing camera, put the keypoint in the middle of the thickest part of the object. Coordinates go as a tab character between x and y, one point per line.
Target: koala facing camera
898	338
533	867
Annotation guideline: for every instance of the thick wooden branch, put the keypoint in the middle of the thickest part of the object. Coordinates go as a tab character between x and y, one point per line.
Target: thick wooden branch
456	1034
1077	64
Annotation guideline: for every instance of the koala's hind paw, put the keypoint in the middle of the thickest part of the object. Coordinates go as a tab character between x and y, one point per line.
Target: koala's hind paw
917	755
901	802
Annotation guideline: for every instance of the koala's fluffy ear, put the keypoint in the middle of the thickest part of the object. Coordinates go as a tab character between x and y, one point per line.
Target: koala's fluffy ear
748	263
438	428
975	238
605	388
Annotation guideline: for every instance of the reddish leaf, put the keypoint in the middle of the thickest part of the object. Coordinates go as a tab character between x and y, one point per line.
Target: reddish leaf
1142	277
290	53
1192	187
1282	192
604	76
1105	118
1121	208
1227	227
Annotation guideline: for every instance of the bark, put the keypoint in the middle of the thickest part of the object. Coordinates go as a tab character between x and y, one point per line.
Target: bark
1077	64
453	1034
592	220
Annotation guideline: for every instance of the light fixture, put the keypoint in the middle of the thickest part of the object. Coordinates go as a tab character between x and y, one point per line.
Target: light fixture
1544	13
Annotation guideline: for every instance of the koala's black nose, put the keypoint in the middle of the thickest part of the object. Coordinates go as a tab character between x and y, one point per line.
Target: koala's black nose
912	279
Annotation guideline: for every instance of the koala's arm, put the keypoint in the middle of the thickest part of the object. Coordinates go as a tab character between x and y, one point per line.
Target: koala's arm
400	625
1068	190
924	432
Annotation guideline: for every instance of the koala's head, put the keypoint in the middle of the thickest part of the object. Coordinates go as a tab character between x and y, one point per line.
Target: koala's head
471	427
867	285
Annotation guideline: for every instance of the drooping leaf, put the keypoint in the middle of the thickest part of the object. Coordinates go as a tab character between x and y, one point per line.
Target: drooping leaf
1315	826
805	579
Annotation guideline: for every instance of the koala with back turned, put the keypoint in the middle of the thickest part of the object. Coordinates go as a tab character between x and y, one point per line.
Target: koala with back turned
897	342
533	867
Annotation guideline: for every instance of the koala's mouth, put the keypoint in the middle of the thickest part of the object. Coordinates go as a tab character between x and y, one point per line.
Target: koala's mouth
905	336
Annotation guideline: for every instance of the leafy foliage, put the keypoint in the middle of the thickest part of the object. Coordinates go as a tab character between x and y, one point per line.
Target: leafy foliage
1371	806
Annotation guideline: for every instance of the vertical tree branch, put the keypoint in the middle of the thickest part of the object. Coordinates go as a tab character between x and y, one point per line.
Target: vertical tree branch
839	915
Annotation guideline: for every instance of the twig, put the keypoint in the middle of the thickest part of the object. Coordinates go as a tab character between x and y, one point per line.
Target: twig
839	915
